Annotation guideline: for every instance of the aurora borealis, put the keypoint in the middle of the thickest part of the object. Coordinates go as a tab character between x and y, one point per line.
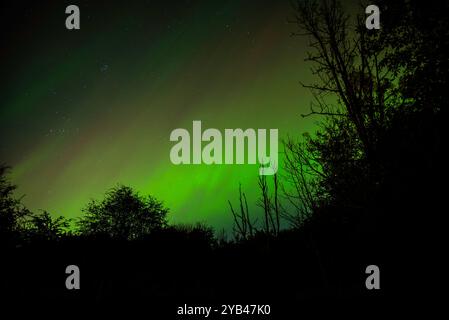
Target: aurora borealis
83	110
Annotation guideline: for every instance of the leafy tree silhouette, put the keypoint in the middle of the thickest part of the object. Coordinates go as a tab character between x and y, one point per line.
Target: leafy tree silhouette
123	214
418	34
12	212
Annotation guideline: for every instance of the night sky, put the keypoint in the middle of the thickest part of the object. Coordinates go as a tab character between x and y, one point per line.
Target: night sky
84	110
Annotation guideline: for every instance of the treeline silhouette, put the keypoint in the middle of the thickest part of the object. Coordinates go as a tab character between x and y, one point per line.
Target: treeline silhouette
366	188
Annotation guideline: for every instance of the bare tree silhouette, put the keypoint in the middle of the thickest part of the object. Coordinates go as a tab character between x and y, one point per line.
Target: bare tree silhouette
243	225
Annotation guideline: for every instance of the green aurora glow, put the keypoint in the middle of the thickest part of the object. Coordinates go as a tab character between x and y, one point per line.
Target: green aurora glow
85	110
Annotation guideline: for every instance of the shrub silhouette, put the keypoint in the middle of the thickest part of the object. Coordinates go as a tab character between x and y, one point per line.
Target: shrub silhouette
123	214
44	227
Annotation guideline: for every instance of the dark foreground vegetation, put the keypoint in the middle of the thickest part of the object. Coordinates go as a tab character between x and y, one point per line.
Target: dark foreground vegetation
367	188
